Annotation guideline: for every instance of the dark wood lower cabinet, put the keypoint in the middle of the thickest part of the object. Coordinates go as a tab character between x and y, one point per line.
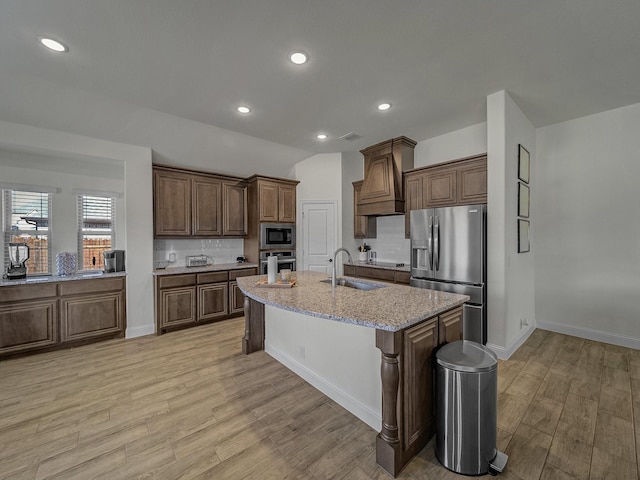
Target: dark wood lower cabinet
408	384
385	274
28	326
49	315
91	316
186	300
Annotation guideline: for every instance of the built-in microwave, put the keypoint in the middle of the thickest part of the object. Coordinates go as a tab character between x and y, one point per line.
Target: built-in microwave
277	235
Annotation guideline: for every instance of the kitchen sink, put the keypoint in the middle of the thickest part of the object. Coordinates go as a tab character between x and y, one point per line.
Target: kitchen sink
357	284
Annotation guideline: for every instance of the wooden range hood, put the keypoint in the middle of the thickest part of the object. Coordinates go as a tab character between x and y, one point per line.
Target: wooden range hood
382	191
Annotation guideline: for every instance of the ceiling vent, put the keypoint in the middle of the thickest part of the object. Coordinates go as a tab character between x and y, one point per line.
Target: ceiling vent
350	136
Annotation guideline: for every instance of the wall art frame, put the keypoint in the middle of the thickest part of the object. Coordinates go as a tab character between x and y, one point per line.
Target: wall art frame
523	200
524	244
524	167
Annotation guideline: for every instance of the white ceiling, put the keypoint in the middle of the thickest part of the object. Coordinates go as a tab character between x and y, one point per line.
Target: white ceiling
434	61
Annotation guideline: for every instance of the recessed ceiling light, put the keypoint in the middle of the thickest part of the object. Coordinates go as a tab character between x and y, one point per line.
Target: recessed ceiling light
384	106
298	57
52	44
321	136
243	109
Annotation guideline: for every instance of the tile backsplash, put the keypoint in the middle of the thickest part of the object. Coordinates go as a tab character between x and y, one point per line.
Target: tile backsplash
223	250
390	244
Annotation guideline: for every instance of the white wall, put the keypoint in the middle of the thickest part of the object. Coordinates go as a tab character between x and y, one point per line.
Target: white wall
451	146
510	276
323	352
138	227
352	171
587	227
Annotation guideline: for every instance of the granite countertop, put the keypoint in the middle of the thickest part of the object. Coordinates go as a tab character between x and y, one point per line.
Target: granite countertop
158	272
384	265
60	278
391	308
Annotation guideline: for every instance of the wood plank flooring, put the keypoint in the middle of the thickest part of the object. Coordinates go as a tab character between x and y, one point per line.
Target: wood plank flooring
188	405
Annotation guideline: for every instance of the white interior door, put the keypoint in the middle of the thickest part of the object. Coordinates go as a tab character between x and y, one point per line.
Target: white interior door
319	235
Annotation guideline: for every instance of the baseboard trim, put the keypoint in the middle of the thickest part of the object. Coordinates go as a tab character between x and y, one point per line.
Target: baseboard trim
590	334
504	353
134	332
354	406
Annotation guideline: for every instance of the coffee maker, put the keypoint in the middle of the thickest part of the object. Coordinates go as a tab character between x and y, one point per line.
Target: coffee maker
113	261
18	255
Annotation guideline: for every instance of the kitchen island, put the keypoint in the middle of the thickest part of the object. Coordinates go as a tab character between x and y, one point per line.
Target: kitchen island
369	350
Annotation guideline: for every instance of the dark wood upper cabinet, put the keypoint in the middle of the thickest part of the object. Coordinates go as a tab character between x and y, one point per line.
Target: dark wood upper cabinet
363	226
382	189
276	199
206	206
287	203
171	204
234	202
459	182
196	204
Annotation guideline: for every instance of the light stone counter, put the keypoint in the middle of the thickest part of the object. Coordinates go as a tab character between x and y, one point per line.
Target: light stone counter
392	308
60	278
158	272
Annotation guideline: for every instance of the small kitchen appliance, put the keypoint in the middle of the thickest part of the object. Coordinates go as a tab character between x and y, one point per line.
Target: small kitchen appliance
197	261
277	235
113	261
18	255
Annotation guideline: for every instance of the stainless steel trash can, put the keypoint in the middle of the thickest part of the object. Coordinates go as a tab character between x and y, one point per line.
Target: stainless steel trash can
466	409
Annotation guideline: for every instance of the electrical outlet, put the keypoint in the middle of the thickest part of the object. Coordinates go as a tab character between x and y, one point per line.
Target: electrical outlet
523	322
302	352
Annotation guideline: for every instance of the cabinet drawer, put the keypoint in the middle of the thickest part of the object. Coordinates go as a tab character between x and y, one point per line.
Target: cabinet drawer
403	277
171	281
376	273
213	277
77	287
349	270
27	292
245	272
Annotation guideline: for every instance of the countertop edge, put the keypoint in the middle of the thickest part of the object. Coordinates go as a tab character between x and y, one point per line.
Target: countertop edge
159	272
59	278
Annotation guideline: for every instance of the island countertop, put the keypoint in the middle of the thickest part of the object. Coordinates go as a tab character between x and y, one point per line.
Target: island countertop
393	307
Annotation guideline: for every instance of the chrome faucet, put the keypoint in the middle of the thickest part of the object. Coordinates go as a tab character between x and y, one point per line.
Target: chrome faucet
333	259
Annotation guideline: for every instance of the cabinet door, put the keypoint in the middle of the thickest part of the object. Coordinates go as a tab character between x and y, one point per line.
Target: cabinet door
418	381
171	204
207	206
91	316
236	298
212	301
178	306
450	326
413	198
472	183
379	181
234	199
363	226
440	189
27	326
268	198
286	204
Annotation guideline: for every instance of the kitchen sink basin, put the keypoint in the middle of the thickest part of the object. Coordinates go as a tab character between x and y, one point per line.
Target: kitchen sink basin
357	284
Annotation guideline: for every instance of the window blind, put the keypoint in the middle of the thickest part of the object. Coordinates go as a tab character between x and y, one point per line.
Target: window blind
26	220
96	230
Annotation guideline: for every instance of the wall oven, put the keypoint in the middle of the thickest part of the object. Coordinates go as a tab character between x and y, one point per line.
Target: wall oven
277	235
286	260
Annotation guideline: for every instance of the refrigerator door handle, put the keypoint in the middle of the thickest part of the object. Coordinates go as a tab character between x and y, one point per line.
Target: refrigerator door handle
430	243
436	245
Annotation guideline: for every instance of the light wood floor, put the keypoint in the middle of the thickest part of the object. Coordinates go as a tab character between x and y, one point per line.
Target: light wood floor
189	405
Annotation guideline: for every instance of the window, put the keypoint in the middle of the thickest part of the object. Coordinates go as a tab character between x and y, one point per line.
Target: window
96	230
26	220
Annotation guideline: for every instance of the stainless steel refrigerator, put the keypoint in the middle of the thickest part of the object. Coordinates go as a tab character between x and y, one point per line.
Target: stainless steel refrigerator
448	253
